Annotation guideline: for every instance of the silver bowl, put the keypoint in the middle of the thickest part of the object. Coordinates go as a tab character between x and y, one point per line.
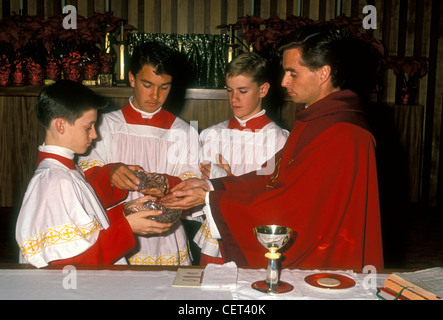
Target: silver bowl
168	215
151	181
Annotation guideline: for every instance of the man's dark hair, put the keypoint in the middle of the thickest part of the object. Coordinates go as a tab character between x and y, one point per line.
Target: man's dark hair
319	46
66	99
155	54
353	63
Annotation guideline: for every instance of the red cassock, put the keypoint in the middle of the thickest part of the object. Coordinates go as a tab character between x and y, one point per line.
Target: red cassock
324	187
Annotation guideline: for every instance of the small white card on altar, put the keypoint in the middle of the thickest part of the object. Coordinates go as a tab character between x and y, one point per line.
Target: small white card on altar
188	278
220	276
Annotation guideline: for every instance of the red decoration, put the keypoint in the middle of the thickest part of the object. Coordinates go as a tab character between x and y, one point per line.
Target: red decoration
35	72
72	67
53	69
90	70
106	61
25	36
408	70
5	71
18	77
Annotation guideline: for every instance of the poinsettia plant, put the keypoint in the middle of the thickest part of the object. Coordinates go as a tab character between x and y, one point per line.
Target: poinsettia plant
46	43
408	71
264	35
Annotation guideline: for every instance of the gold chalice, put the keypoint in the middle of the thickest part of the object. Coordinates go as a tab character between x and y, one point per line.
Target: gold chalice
273	238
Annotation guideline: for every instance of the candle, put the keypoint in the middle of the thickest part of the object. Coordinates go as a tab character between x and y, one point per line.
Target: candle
252	8
122	62
122	31
107	6
107	44
21	5
63	4
230	54
231	38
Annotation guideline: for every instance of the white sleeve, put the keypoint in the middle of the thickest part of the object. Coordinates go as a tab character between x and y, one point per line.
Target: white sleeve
190	154
57	219
212	226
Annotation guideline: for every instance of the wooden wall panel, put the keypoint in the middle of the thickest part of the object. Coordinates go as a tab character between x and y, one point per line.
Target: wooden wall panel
18	147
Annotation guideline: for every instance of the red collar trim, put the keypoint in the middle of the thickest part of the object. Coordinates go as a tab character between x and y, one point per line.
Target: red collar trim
252	125
162	119
65	161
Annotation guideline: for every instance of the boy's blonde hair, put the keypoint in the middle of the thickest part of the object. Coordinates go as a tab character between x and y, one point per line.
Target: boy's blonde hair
250	64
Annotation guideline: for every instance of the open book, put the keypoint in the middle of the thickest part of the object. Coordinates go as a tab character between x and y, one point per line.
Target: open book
419	285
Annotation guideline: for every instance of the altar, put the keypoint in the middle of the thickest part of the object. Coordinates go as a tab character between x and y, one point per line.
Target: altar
157	283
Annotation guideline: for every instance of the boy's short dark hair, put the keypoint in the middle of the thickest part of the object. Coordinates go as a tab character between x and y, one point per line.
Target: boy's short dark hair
155	54
66	99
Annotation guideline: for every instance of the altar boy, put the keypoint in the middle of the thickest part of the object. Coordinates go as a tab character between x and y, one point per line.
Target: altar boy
144	133
244	142
62	220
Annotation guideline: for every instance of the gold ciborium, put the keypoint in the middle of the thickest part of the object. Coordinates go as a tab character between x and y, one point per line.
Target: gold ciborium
273	238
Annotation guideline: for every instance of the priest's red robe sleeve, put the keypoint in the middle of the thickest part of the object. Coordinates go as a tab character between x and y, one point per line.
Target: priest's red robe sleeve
249	181
100	180
112	243
327	194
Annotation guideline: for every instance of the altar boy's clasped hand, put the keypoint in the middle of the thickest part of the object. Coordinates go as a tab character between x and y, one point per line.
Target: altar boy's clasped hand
187	194
205	167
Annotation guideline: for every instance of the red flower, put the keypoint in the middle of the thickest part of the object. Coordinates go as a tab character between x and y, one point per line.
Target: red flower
410	66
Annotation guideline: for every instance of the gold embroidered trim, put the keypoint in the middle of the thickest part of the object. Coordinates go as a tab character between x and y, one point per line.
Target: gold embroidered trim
186	176
163	260
206	233
274	176
87	164
57	236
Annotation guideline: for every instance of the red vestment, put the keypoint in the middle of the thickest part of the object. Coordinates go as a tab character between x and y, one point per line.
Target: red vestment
324	187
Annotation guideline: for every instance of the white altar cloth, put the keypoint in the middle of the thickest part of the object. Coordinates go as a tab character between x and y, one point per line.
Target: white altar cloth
72	284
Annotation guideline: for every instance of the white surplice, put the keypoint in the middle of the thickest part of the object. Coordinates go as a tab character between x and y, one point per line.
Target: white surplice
245	150
172	151
61	216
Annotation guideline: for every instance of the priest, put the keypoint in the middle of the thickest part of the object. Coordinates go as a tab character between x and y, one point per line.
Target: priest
324	183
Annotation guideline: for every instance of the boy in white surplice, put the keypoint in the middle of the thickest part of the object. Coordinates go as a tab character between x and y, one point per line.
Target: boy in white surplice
62	219
245	142
143	133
